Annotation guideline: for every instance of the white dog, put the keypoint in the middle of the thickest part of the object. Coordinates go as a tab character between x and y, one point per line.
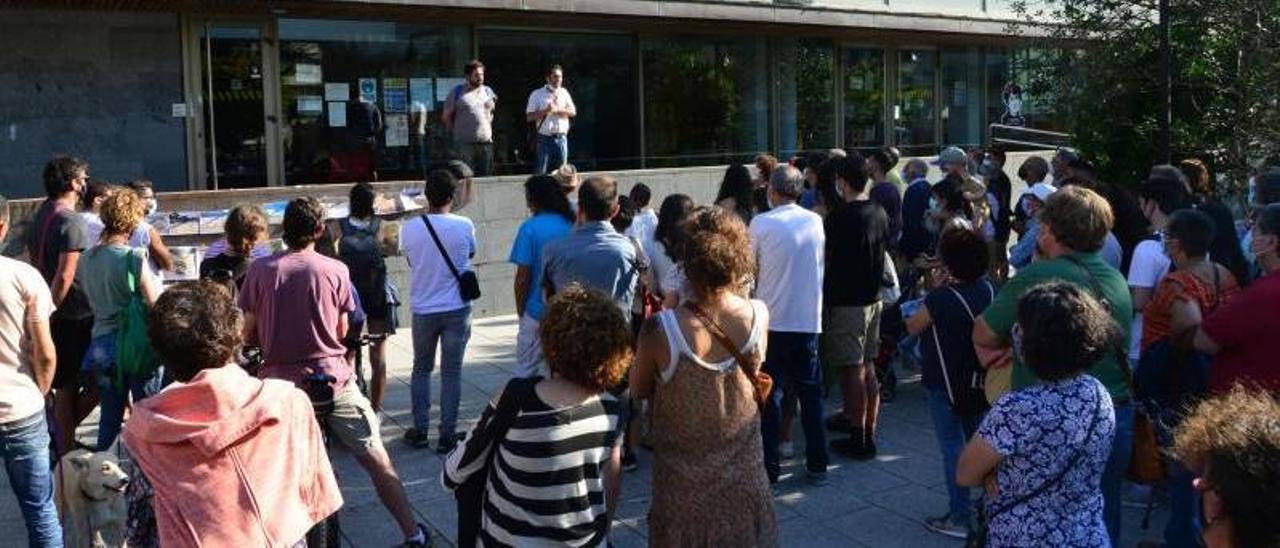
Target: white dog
89	493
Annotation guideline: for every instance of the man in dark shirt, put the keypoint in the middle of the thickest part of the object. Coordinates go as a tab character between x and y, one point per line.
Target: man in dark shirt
54	239
999	185
884	192
916	238
857	234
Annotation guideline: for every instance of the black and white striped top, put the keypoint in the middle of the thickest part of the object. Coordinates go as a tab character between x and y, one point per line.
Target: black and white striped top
547	483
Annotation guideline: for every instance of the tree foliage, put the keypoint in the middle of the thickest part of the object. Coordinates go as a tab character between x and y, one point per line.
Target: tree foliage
1107	80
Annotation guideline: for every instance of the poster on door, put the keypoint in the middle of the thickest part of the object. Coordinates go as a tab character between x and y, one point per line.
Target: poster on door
395	95
397	130
369	90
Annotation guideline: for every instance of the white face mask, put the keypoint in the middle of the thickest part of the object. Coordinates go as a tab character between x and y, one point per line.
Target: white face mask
152	205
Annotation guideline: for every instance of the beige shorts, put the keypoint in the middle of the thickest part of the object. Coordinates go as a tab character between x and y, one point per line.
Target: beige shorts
851	334
353	422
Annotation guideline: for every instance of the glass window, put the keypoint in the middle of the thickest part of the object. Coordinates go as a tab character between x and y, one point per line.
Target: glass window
362	99
914	114
962	104
599	73
806	107
864	87
1012	99
706	100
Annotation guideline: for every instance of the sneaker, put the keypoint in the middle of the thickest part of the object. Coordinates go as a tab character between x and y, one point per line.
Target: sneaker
446	444
838	423
424	543
416	437
787	450
944	525
817	478
849	447
629	463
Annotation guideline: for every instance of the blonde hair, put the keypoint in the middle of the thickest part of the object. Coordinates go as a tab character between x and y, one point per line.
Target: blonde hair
122	213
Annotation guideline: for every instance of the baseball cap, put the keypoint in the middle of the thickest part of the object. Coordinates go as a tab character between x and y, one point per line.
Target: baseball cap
950	155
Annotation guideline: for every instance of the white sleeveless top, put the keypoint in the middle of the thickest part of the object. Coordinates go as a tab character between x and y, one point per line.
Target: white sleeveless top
678	346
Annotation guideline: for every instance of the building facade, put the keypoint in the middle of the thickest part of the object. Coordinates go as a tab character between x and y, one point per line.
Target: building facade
198	95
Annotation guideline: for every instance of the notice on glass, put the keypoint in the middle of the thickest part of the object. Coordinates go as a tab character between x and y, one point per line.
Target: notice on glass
397	130
306	74
444	86
369	90
420	99
310	104
337	91
395	95
337	114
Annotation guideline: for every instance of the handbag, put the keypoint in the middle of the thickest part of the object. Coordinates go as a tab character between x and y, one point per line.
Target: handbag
761	382
468	284
978	538
134	358
1146	465
470	494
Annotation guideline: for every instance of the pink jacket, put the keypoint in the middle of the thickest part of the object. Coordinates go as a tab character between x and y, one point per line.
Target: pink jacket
234	461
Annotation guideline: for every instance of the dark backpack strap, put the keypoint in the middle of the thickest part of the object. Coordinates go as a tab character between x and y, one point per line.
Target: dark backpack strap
443	254
1121	346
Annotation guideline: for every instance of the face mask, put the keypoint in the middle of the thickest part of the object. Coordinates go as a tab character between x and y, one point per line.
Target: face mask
768	199
933	203
152	205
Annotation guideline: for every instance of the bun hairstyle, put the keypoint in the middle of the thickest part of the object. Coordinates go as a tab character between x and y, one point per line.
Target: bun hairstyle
716	253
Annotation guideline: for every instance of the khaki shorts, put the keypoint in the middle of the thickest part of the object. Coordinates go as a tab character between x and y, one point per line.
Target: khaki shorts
851	334
353	422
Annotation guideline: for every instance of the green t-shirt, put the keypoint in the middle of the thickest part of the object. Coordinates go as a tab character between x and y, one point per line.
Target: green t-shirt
1003	312
102	274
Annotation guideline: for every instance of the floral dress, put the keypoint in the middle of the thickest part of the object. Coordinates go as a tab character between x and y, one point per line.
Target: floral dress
1038	430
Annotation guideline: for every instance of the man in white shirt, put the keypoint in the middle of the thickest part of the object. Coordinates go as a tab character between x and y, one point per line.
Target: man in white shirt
1164	192
27	359
550	107
646	220
440	315
788	241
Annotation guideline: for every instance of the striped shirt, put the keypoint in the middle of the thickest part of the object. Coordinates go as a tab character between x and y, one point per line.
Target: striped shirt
546	487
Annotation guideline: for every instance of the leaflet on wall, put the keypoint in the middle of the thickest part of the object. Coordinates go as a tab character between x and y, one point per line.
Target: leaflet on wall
420	99
397	130
337	91
306	74
444	86
395	95
337	114
310	104
369	90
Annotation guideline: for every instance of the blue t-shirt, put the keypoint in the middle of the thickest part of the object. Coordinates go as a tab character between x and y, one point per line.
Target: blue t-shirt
533	235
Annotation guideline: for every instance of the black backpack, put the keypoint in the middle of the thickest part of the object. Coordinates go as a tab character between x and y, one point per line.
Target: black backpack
227	270
360	250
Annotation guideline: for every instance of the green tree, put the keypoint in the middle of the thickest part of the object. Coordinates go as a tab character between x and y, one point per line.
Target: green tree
1104	75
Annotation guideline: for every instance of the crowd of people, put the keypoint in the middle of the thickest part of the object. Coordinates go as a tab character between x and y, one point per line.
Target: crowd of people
696	331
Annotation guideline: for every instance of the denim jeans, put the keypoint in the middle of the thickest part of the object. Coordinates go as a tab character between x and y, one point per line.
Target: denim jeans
1117	467
553	150
450	331
953	432
1183	528
100	362
793	358
24	443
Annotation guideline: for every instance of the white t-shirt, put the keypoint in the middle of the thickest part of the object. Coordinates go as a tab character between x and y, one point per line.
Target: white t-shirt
788	243
141	237
93	226
553	124
433	288
643	226
19	396
1148	266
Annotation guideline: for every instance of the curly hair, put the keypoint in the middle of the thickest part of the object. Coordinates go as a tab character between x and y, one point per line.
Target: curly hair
717	251
1064	330
1233	441
965	254
585	338
122	213
194	326
245	226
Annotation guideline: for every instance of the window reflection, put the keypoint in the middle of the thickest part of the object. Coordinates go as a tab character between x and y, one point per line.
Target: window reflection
864	87
914	115
962	96
706	100
361	99
806	101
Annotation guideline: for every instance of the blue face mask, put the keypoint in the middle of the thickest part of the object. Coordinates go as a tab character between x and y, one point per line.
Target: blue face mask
933	203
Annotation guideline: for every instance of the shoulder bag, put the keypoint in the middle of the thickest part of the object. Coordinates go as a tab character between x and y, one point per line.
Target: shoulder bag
134	358
969	398
761	382
468	284
470	494
978	538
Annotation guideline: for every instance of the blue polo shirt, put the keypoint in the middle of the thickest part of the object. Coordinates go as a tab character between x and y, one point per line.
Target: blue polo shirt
596	256
534	234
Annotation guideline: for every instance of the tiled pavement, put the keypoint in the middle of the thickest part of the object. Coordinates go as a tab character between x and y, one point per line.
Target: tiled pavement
877	504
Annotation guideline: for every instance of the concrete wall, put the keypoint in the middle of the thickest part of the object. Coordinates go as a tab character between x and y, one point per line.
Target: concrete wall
99	85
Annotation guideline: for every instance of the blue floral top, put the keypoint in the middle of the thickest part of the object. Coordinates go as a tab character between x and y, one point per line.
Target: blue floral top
1038	430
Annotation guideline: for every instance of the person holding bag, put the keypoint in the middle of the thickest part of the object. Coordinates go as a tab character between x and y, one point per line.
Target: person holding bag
438	246
701	366
542	466
950	372
119	288
1041	451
